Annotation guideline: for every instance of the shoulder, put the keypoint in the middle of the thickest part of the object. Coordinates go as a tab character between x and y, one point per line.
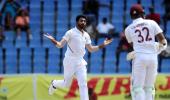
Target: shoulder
70	31
149	21
152	22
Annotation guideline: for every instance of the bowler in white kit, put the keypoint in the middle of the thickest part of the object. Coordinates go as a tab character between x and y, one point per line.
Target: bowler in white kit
74	64
141	34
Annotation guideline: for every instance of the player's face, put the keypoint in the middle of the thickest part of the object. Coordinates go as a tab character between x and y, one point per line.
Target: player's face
81	23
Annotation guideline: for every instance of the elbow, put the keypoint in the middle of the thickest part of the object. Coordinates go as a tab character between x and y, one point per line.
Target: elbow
59	46
90	50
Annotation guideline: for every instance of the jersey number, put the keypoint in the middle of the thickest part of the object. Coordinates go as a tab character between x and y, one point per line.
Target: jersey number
141	37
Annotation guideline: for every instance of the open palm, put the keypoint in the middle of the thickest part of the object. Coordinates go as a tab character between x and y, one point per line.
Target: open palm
48	36
107	41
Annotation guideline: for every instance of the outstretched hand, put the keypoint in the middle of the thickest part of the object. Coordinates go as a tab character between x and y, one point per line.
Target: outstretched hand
48	36
107	41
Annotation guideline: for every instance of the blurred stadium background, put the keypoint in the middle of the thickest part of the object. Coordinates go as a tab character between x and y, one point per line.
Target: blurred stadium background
26	70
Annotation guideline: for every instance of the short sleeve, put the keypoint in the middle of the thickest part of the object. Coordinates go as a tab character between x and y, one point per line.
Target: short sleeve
88	40
67	35
157	28
127	34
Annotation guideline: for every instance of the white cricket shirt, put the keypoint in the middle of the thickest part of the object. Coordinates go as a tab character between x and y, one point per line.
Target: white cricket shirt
76	42
141	32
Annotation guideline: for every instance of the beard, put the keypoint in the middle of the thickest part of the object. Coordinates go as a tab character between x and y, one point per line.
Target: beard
82	26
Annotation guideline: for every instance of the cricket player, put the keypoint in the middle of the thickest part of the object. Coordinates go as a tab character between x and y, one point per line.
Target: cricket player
74	64
141	34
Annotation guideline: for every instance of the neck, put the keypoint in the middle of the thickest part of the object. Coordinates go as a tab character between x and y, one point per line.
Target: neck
80	29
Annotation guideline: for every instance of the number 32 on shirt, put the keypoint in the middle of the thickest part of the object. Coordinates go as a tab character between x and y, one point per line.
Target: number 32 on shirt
143	34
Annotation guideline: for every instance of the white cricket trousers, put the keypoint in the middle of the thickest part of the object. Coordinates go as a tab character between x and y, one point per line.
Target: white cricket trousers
74	66
144	72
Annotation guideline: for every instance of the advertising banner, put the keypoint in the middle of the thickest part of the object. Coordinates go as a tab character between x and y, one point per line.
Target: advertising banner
16	88
107	87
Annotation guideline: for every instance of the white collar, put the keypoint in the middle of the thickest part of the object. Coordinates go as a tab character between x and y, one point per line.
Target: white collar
79	30
136	20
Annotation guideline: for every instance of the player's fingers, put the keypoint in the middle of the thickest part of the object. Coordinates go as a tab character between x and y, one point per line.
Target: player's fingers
130	56
48	34
109	41
45	35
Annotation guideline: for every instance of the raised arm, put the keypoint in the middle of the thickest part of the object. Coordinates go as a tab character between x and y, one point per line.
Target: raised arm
58	44
92	48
